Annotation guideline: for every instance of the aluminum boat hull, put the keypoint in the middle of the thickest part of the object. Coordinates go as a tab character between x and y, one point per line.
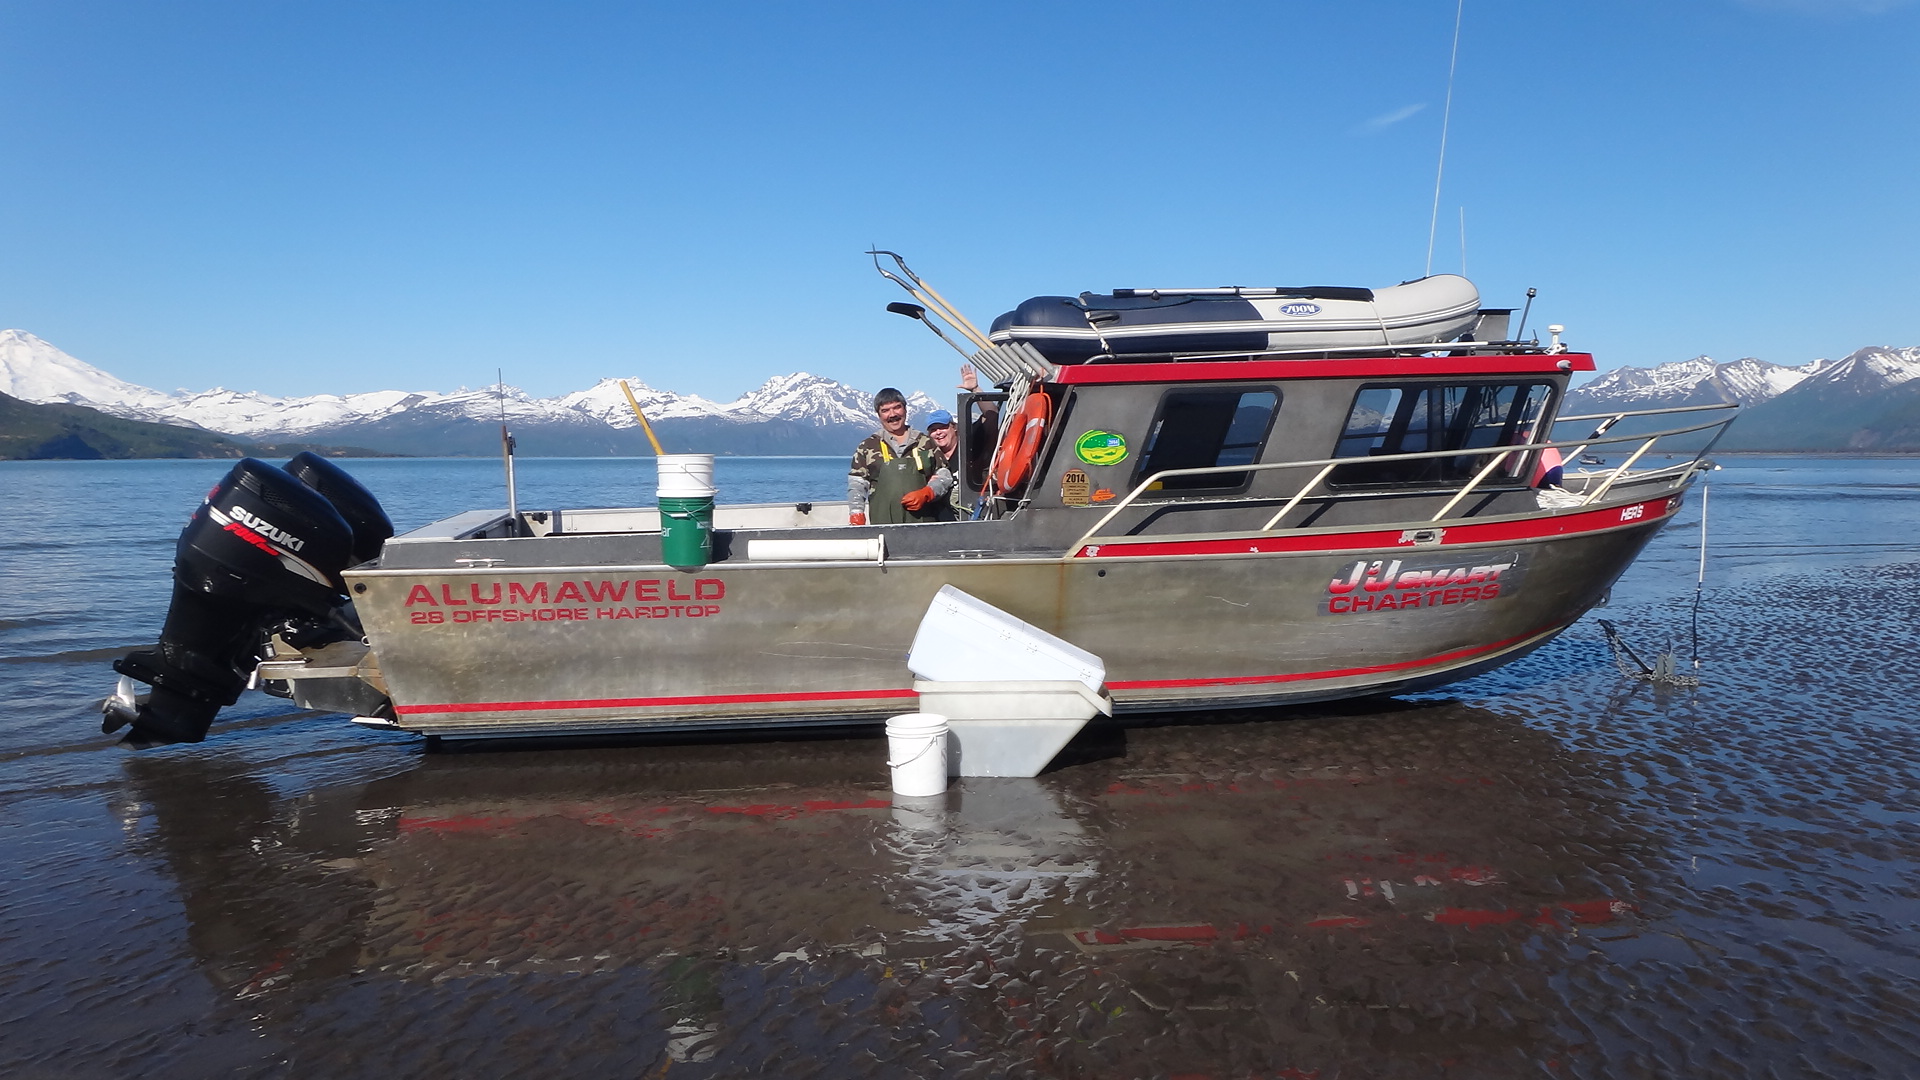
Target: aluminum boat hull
1184	624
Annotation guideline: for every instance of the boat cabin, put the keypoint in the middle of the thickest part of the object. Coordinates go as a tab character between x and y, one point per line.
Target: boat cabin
1157	449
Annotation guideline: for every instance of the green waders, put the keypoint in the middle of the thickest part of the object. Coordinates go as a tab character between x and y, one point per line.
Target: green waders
895	477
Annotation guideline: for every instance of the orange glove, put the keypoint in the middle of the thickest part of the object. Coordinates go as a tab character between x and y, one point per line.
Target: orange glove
856	518
914	500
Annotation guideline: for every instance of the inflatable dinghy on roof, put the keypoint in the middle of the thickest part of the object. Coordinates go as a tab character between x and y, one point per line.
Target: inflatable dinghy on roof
1157	322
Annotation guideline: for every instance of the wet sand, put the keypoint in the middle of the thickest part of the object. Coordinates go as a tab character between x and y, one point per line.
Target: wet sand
1549	871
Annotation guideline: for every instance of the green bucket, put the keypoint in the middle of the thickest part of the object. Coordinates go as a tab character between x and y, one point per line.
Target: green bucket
686	531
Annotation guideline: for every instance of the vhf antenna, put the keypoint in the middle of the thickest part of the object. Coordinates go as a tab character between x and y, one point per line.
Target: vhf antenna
506	454
1446	119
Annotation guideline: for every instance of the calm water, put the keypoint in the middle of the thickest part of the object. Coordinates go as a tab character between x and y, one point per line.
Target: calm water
1547	871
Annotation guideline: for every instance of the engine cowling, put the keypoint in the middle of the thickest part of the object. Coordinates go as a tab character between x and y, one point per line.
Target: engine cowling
264	548
363	513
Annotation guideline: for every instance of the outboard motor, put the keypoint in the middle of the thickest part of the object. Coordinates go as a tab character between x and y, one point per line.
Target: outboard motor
263	550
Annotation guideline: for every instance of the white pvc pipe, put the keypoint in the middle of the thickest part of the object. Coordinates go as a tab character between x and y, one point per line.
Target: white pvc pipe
867	549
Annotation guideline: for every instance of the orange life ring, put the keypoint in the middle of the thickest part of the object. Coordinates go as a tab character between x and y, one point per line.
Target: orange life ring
1022	442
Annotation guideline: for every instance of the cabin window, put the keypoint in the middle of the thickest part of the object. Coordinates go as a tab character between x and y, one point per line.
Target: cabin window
975	436
1418	417
1197	429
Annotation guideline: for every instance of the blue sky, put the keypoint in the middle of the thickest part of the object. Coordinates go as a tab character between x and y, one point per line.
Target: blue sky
303	198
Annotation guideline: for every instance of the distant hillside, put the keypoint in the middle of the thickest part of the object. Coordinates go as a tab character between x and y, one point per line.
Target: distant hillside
1833	415
30	432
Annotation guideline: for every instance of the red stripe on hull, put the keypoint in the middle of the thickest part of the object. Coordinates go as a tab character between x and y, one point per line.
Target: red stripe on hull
1337	673
872	695
1492	532
656	702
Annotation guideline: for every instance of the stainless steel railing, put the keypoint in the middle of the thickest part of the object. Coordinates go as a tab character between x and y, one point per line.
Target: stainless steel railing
1498	454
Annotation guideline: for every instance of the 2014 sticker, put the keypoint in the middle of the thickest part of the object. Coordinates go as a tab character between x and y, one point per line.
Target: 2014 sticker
1101	448
1075	488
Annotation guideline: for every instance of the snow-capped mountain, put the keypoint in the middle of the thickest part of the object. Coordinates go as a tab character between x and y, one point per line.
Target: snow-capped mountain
1745	381
1870	370
1867	400
810	399
34	370
807	399
606	402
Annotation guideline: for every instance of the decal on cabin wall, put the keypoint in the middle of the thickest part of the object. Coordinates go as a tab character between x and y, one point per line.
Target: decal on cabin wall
1101	448
1103	495
1365	585
1075	488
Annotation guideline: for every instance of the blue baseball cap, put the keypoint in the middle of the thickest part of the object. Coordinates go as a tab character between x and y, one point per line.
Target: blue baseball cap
939	417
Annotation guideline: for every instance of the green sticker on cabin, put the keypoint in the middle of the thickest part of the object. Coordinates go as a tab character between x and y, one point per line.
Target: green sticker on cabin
1101	448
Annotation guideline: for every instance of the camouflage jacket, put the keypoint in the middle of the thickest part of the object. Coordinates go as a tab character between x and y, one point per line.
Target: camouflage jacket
878	449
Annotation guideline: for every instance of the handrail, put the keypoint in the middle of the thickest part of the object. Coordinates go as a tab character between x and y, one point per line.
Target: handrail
1318	478
1648	412
1147	482
1471	484
1620	471
1608	420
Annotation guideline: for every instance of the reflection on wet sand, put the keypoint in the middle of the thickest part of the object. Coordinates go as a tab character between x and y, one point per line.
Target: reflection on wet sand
1398	888
251	882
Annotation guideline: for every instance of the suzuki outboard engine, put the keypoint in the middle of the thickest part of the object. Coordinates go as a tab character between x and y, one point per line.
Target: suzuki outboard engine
264	551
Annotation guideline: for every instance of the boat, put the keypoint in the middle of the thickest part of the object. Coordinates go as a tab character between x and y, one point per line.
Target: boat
1592	459
1289	523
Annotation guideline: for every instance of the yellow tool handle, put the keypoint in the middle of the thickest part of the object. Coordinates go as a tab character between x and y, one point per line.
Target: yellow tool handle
642	417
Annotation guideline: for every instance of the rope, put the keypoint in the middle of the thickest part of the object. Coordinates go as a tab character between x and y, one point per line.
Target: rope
1630	664
1017	393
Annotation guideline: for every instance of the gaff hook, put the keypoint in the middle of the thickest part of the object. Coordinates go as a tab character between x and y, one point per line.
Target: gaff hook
926	294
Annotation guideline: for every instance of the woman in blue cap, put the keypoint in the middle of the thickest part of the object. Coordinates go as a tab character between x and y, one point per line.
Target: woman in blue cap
940	430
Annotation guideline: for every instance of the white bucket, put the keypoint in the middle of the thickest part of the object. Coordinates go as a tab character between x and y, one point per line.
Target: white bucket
917	754
685	476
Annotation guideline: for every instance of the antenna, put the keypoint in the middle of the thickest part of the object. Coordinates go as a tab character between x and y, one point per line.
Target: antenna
506	453
1446	118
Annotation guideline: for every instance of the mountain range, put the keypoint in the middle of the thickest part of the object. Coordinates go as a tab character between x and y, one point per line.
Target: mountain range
1867	401
60	431
789	414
